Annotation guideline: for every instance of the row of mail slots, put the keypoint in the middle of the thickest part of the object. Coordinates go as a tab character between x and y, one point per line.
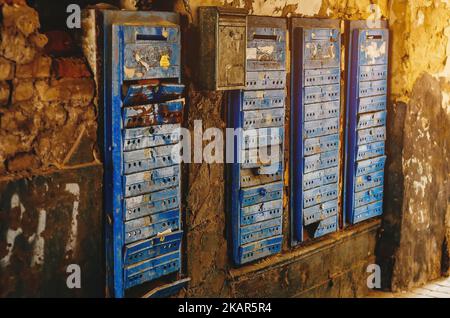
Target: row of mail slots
248	57
144	104
143	113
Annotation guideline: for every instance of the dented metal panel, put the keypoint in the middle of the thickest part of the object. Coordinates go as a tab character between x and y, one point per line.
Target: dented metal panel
322	144
151	181
139	94
326	226
141	138
151	203
150	158
266	80
152	269
254	251
320	212
321	127
320	161
147	249
152	225
320	195
370	150
264	118
263	137
153	114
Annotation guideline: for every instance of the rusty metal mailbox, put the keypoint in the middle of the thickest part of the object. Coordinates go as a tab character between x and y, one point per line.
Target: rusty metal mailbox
255	184
143	108
222	48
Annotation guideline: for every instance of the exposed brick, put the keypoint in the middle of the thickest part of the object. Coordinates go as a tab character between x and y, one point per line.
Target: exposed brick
6	69
79	91
24	18
16	47
23	161
70	67
23	90
12	121
10	145
59	43
5	91
55	114
39	40
39	68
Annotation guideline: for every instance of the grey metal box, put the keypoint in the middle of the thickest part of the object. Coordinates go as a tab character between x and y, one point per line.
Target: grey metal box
223	43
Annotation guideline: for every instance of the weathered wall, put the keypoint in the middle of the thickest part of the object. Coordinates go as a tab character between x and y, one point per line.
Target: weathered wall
47	223
50	179
413	246
47	116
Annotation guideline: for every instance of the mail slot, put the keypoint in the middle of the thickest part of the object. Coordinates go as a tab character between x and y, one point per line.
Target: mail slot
149	226
320	212
150	181
223	34
254	251
151	248
258	213
263	99
159	135
149	270
151	52
151	203
139	94
153	114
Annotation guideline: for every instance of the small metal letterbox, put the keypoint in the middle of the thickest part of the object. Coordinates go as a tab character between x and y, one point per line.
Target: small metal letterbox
366	120
223	34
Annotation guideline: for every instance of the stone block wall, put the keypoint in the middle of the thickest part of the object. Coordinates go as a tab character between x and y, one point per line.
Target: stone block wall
46	102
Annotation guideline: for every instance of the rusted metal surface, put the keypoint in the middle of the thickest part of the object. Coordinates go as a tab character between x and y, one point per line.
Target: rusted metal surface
47	223
222	48
155	114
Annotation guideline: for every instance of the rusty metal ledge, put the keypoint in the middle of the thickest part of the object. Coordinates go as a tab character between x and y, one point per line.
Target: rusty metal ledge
303	251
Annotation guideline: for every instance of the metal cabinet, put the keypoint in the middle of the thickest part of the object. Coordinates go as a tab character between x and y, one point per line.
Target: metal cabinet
143	108
315	127
366	120
222	48
255	187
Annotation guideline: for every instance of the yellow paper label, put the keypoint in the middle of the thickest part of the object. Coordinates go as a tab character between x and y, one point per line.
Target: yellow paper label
165	61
